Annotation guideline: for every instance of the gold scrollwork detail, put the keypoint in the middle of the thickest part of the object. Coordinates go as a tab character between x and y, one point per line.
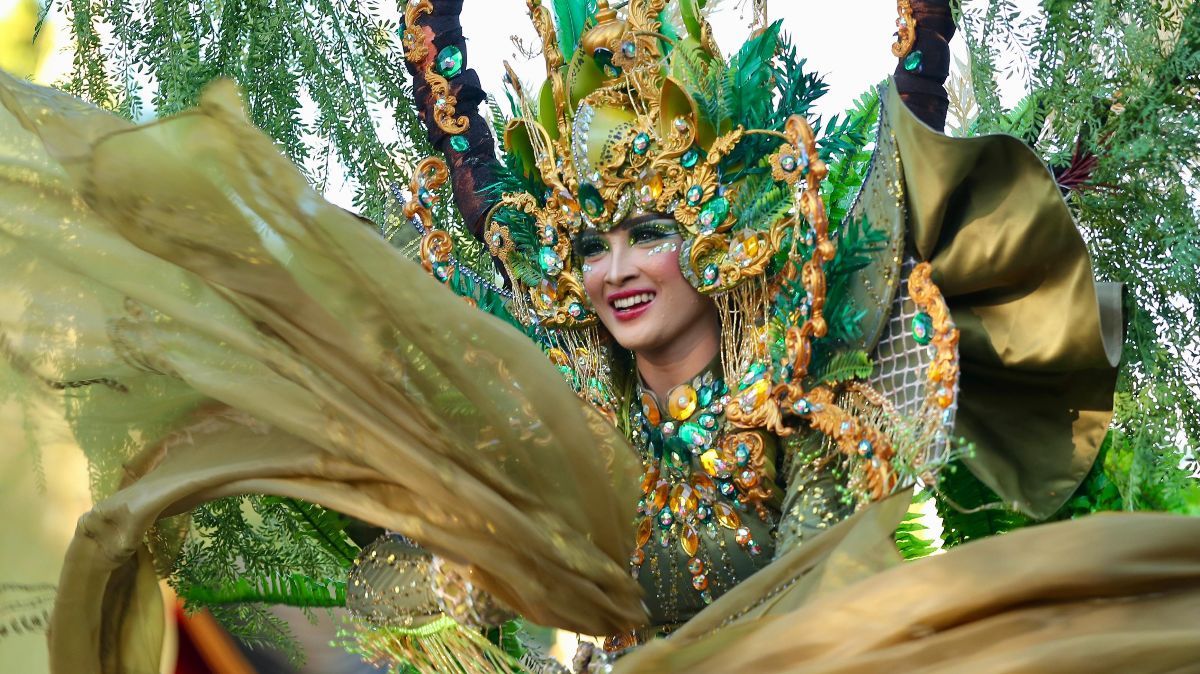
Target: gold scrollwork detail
943	371
906	29
418	49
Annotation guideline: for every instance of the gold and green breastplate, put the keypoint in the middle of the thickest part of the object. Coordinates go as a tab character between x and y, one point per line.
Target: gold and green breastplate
709	502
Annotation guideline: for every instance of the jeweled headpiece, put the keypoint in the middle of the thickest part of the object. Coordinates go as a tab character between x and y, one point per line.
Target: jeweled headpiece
641	120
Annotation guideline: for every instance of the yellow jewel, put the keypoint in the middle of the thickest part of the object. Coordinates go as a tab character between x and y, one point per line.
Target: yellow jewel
726	515
683	500
681	402
689	540
644	531
756	395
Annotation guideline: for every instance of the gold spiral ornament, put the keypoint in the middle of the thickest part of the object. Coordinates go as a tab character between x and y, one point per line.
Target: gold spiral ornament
906	29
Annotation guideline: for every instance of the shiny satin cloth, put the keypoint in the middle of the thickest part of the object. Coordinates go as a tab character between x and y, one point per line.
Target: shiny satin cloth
181	296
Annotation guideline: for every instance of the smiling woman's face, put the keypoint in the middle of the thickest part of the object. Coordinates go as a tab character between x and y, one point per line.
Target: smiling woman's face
632	277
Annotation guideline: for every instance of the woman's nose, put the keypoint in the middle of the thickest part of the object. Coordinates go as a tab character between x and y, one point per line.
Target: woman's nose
621	267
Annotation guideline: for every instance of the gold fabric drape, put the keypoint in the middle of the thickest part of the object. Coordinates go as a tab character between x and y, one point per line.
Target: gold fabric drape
1040	340
257	339
306	358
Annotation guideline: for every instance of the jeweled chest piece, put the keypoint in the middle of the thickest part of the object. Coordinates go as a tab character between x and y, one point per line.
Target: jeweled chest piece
695	481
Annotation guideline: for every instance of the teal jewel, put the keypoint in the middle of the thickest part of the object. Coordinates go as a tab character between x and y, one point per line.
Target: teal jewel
922	328
449	62
641	143
590	199
866	449
707	421
549	261
676	452
694	435
788	162
629	49
742	454
714	213
575	309
441	270
753	374
665	519
705	396
802	407
694	194
549	236
459	143
913	62
727	488
425	197
690	158
711	272
702	512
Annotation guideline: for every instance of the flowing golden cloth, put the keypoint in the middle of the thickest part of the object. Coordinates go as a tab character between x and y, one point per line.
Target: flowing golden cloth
201	311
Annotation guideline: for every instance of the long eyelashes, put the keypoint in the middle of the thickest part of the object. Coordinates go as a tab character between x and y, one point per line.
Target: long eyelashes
590	246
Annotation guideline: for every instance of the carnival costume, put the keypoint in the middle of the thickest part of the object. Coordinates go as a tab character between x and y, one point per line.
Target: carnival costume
259	340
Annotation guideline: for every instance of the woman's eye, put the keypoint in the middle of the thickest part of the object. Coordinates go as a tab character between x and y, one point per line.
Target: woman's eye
590	247
650	232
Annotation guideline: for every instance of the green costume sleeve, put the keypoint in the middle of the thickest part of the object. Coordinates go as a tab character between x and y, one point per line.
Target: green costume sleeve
1040	340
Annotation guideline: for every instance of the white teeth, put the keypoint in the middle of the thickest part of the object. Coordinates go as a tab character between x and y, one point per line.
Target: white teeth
632	300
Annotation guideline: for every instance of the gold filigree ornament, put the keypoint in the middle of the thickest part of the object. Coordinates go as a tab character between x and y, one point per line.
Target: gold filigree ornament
436	251
418	49
935	316
906	29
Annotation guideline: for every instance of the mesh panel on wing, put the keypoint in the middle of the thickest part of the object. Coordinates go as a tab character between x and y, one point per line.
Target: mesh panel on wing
901	367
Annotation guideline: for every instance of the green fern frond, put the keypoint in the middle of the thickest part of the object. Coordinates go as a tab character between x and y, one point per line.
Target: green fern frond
324	527
845	366
912	535
293	590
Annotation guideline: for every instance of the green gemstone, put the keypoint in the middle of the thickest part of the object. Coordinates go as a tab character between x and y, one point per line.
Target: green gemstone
922	328
425	197
713	214
676	452
549	261
641	143
705	397
449	61
753	374
459	143
694	194
692	434
689	158
711	273
912	62
590	200
707	421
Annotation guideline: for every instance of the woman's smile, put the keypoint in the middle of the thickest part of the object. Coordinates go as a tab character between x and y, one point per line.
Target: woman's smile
630	304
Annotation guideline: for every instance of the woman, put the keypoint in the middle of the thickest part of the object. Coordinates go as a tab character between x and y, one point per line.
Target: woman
287	350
